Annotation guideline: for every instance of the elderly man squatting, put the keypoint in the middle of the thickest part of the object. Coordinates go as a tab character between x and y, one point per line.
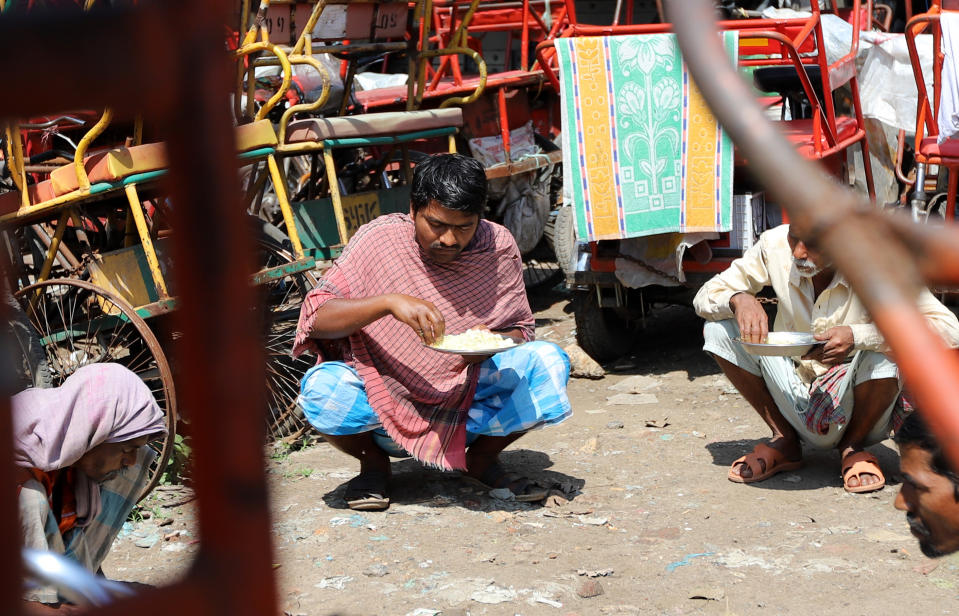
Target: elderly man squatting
844	394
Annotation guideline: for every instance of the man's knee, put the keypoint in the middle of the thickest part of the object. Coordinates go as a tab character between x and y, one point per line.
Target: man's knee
875	366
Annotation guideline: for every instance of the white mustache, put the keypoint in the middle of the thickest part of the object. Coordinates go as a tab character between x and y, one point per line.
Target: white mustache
806	267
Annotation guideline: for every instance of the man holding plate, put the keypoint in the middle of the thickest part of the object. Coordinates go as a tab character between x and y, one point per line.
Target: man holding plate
402	283
843	394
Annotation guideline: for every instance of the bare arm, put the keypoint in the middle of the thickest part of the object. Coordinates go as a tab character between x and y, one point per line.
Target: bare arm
341	317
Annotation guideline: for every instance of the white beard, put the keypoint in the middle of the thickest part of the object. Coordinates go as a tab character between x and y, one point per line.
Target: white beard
806	268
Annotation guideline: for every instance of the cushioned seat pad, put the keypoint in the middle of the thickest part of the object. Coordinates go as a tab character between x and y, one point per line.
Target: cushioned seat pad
372	124
111	165
10	201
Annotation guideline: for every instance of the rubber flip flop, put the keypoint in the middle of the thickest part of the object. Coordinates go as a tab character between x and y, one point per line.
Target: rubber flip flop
496	477
773	459
368	491
858	464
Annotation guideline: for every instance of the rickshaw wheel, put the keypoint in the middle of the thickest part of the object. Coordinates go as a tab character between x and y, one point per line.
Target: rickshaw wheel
283	298
601	332
80	324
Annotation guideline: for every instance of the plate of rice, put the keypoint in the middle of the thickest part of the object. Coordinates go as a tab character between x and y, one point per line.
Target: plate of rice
474	343
787	344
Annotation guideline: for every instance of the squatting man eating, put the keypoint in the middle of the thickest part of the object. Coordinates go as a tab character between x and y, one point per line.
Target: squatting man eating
401	283
844	394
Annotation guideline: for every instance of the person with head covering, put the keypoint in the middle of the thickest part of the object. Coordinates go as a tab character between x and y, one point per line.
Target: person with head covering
402	283
82	459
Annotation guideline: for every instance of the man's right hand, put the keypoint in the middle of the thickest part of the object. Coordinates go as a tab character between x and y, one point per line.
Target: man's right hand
750	316
419	314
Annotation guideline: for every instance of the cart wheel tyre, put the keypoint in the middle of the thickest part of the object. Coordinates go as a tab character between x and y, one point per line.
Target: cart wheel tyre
563	239
282	298
600	332
81	324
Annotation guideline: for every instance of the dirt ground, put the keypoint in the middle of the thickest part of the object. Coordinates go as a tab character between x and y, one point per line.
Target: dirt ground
651	525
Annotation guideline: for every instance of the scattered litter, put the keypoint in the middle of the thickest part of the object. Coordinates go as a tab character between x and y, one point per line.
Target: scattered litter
589	588
493	594
379	538
685	561
595	411
424	611
590	446
632	399
636	384
174	547
595	521
425	564
597	573
665	437
615	425
337	582
657	423
547	601
792	478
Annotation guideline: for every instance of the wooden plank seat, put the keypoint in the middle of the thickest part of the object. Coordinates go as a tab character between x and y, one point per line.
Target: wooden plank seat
372	125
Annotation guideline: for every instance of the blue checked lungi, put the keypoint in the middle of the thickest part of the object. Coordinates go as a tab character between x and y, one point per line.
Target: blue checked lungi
518	390
90	544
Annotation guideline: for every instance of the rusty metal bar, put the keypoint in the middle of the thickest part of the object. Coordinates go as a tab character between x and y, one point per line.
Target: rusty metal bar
871	250
161	55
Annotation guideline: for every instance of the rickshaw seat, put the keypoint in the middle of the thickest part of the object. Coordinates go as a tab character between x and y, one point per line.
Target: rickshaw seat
394	95
372	124
110	166
949	149
259	134
785	79
800	134
10	201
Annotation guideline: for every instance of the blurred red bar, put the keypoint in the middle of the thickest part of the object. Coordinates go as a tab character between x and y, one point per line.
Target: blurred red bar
167	61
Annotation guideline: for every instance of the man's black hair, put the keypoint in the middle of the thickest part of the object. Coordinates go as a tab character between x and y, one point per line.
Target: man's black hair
914	431
454	181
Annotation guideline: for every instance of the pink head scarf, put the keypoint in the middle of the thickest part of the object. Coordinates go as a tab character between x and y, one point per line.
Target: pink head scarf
100	403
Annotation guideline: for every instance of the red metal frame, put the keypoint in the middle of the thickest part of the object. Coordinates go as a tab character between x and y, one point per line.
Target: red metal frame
927	151
162	54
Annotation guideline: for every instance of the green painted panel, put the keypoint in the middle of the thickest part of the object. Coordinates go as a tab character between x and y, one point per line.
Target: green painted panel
316	223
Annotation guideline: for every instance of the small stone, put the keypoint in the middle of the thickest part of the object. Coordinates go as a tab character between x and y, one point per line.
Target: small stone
589	588
583	366
552	556
615	425
377	570
500	516
590	446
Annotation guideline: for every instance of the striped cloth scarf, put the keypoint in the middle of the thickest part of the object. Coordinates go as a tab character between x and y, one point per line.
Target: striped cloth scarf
824	409
421	396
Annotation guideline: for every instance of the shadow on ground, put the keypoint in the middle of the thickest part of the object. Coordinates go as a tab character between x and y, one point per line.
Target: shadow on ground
820	468
415	484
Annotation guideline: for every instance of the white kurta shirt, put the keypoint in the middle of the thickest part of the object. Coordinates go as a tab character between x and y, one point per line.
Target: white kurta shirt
770	263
